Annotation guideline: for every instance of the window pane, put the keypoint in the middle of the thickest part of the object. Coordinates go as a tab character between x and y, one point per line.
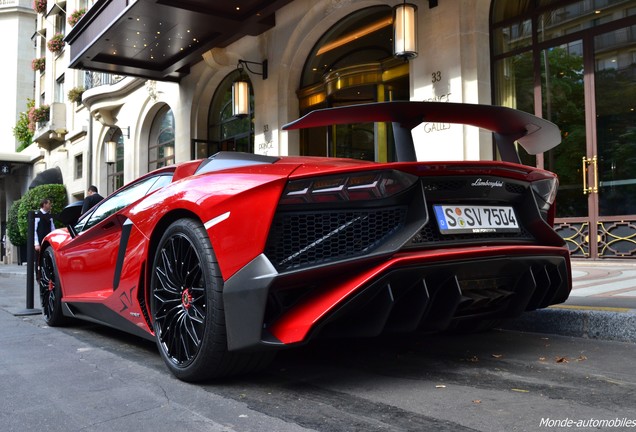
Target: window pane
615	82
79	166
161	142
579	16
361	37
518	35
226	132
515	89
506	9
564	104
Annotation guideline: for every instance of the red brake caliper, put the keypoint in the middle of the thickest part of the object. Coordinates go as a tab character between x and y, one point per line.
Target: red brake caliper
186	298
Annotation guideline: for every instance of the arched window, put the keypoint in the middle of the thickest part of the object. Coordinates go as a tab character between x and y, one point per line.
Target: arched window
351	64
115	171
161	142
226	132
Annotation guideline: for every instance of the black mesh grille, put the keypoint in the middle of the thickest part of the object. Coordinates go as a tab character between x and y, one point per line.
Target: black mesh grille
515	188
305	239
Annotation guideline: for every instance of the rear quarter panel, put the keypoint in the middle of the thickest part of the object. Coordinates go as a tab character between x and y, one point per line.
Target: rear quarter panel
236	208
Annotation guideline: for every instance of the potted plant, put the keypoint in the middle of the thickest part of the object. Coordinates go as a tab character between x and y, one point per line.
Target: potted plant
38	115
38	64
39	6
75	16
56	43
75	94
22	130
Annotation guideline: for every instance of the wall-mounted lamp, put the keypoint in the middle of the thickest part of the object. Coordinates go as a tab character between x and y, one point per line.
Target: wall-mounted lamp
240	98
241	87
405	31
111	152
245	64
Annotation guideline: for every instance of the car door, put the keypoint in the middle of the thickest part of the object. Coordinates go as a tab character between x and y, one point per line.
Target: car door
90	258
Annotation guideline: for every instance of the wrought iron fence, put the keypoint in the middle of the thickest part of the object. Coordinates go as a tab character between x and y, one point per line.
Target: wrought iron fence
96	79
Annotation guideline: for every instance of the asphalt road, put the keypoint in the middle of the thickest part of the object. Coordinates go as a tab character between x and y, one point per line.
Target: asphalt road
90	378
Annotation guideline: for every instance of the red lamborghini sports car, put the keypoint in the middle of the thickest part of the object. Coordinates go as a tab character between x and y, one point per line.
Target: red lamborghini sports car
226	260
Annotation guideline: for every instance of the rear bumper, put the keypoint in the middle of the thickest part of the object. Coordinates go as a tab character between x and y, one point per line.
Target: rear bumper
412	291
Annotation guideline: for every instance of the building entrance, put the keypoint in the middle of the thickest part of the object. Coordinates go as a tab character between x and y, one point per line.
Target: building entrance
351	64
597	212
575	65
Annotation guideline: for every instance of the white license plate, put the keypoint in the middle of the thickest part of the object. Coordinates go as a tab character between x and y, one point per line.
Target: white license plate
461	219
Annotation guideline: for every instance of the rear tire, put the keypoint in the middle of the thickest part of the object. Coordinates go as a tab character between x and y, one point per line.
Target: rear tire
186	303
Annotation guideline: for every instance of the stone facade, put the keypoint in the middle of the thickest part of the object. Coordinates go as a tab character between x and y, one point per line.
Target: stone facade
452	65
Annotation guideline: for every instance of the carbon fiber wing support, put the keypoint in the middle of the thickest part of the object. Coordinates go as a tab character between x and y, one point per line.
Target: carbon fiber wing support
508	125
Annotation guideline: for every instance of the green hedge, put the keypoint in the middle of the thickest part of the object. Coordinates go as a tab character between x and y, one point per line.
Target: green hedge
31	201
13	229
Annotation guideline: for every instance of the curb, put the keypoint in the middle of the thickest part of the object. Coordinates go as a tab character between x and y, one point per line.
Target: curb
612	324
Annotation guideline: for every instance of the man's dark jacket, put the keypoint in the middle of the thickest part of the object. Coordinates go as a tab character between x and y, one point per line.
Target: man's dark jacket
90	201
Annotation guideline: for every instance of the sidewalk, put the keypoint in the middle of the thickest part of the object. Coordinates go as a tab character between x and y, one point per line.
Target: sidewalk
602	304
604	284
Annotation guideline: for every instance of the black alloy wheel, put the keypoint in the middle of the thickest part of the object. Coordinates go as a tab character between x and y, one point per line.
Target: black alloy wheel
187	307
50	290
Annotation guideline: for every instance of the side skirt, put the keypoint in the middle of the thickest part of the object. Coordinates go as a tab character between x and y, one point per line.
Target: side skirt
100	314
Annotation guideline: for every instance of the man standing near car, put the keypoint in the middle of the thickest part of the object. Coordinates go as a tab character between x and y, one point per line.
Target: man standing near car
92	199
43	225
43	222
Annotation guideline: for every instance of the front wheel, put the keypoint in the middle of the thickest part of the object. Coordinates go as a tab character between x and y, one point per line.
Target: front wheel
186	292
51	290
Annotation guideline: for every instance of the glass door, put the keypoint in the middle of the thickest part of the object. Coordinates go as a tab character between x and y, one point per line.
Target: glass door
574	62
589	90
563	99
613	173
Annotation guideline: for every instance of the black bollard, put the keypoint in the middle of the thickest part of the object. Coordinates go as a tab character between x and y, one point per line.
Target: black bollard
30	268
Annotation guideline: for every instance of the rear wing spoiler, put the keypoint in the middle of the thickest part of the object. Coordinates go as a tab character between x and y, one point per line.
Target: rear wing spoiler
508	125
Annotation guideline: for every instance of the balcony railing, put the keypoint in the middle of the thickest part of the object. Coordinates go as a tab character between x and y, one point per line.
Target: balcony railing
96	79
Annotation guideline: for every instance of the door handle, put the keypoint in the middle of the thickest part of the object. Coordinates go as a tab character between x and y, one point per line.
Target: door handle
586	163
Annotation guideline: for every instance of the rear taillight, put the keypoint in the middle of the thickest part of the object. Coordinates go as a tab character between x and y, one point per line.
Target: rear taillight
545	194
546	190
347	187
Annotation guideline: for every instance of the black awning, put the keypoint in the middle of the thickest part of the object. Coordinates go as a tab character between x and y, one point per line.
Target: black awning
160	39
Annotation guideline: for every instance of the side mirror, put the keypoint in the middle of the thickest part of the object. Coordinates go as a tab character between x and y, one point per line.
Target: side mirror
70	215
